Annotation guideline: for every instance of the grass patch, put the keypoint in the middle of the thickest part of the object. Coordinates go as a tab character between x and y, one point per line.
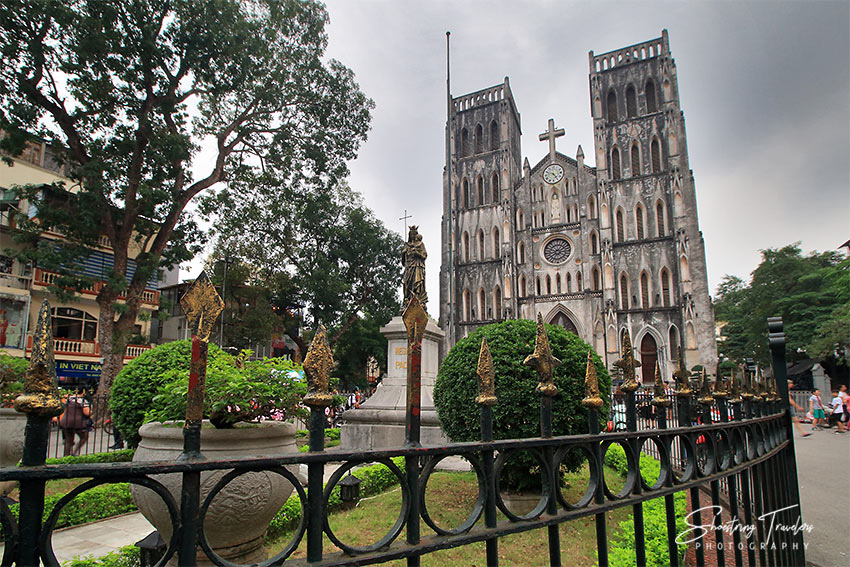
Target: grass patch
449	500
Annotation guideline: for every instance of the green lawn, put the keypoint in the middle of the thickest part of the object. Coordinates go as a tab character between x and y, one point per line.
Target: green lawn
449	500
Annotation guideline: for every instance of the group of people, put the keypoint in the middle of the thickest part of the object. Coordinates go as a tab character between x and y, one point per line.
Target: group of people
76	423
836	413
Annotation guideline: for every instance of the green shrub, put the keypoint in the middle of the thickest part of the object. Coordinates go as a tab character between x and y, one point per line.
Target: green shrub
128	556
122	456
516	415
622	549
138	383
12	370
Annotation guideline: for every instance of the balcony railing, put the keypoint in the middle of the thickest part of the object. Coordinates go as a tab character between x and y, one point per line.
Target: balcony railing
45	278
15	282
76	347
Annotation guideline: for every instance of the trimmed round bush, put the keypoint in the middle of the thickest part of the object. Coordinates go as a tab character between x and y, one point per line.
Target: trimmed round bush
517	413
140	380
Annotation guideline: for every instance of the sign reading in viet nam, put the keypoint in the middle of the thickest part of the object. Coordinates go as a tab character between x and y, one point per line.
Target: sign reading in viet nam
74	372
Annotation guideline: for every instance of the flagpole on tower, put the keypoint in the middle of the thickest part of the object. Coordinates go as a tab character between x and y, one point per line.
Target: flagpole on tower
450	185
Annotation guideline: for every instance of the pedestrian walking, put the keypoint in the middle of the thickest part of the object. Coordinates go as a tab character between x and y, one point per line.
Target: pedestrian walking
74	422
816	409
838	416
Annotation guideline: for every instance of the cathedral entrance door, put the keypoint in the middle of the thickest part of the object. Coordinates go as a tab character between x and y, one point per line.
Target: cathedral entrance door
648	358
564	321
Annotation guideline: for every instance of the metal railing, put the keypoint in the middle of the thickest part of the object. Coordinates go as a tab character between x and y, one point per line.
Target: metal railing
751	449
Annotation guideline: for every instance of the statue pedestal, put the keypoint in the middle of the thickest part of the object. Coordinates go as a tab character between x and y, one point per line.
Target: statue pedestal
379	423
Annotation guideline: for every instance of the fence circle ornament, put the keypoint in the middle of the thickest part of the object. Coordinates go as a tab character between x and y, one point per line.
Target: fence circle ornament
593	476
540	507
287	550
705	452
631	475
10	530
687	459
557	250
477	509
396	528
45	539
664	463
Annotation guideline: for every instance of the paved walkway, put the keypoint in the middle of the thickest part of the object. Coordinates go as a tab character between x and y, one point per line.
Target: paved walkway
823	460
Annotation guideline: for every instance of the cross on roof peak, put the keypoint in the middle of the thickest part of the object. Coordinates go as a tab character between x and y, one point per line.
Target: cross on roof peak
551	133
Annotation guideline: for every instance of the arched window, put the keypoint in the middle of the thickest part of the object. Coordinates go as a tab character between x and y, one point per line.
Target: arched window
558	283
479	139
612	107
496	244
548	285
538	285
465	148
465	194
674	343
465	239
520	220
494	186
591	207
621	232
480	183
494	135
624	292
595	276
594	243
655	150
631	102
480	245
497	303
659	219
467	305
639	221
542	222
690	336
70	323
615	164
684	270
665	288
520	252
522	286
482	304
579	286
644	291
635	160
651	105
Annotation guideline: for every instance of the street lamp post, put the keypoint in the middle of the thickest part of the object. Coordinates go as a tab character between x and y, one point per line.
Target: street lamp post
227	261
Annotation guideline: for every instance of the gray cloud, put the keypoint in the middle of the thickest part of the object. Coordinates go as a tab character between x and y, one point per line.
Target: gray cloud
765	88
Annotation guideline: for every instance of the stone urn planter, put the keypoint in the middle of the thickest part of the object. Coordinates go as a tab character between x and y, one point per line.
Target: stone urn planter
12	424
237	520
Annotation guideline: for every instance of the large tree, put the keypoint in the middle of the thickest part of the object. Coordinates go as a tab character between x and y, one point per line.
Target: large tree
810	292
130	92
324	254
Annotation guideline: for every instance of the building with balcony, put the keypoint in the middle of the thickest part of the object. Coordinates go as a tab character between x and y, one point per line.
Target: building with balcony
23	286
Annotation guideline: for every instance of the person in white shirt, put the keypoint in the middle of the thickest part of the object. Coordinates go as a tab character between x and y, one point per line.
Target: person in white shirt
838	416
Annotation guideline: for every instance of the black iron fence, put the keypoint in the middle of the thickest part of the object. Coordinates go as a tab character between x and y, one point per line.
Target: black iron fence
750	449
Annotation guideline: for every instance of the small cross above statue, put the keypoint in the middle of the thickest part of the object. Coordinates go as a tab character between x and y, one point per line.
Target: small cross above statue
550	135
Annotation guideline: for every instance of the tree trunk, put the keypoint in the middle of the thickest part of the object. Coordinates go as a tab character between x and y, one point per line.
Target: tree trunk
113	337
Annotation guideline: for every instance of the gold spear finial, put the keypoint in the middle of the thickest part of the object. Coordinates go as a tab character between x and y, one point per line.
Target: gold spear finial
486	377
41	396
542	361
734	389
682	377
591	400
318	365
721	391
628	364
705	397
660	398
202	305
415	319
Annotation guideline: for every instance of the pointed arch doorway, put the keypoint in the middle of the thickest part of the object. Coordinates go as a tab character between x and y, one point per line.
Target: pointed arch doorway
648	358
561	319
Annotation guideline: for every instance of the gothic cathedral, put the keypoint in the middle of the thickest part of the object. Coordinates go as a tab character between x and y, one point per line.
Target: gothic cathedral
597	250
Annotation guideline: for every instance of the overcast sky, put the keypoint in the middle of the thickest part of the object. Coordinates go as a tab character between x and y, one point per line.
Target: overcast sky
764	86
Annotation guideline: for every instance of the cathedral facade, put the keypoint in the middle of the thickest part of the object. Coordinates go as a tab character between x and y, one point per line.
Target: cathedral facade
599	250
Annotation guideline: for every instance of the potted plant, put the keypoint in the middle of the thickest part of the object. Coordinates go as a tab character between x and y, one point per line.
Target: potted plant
12	423
246	407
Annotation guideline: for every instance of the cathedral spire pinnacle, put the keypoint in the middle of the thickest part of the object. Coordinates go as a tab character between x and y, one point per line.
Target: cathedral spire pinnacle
579	153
